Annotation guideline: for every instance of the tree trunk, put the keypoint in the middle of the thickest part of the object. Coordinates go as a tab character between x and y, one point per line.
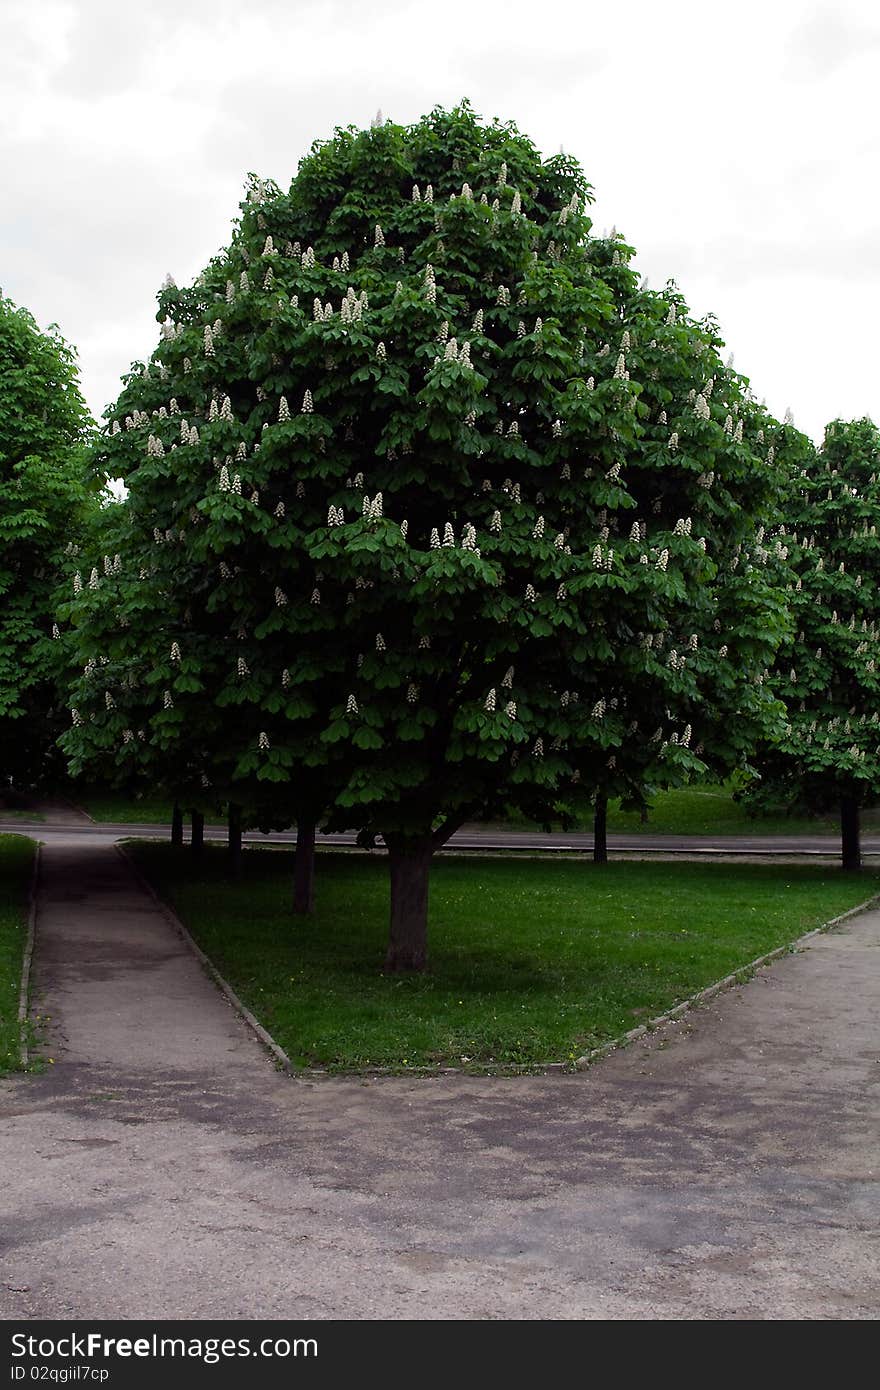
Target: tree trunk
197	837
409	860
177	827
234	840
850	834
600	829
304	869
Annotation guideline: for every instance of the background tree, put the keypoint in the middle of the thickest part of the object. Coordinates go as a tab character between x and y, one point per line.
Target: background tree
48	497
378	472
828	756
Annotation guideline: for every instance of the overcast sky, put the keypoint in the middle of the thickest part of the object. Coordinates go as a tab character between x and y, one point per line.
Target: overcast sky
736	146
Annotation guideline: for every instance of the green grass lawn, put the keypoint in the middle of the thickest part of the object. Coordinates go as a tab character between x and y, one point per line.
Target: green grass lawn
531	960
16	865
709	809
111	807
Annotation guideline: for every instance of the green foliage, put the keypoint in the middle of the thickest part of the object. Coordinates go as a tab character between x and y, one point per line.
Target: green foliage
47	495
827	672
432	506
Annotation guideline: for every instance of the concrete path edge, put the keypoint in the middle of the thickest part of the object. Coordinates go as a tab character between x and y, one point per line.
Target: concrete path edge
27	957
210	968
693	1001
702	996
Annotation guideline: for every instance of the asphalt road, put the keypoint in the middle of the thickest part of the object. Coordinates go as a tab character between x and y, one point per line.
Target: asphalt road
477	839
723	1168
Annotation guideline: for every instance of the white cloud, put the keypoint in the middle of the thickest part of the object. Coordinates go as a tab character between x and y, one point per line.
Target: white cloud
737	149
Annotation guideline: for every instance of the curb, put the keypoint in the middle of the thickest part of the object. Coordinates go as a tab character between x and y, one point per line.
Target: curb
736	977
223	985
24	991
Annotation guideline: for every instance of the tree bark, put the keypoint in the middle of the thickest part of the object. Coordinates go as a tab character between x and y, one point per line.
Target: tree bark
850	835
600	829
409	860
234	839
304	869
197	836
177	826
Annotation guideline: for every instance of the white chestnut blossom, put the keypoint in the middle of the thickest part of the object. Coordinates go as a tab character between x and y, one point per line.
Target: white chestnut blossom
510	709
412	693
167	701
489	705
308	405
242	668
507	682
263	742
448	534
351	705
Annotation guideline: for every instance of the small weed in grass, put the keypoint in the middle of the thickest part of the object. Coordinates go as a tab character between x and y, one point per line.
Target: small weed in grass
531	962
16	866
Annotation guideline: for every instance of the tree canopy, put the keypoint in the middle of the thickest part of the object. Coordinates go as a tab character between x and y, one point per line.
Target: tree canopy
826	672
433	506
47	494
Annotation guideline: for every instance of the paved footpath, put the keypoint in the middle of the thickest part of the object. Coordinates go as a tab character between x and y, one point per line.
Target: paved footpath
726	1169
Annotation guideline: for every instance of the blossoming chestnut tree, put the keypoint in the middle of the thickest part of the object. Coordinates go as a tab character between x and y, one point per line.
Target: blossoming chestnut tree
435	507
826	672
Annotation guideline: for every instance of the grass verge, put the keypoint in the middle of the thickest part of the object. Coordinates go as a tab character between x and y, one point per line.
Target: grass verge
16	866
711	810
531	961
109	807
